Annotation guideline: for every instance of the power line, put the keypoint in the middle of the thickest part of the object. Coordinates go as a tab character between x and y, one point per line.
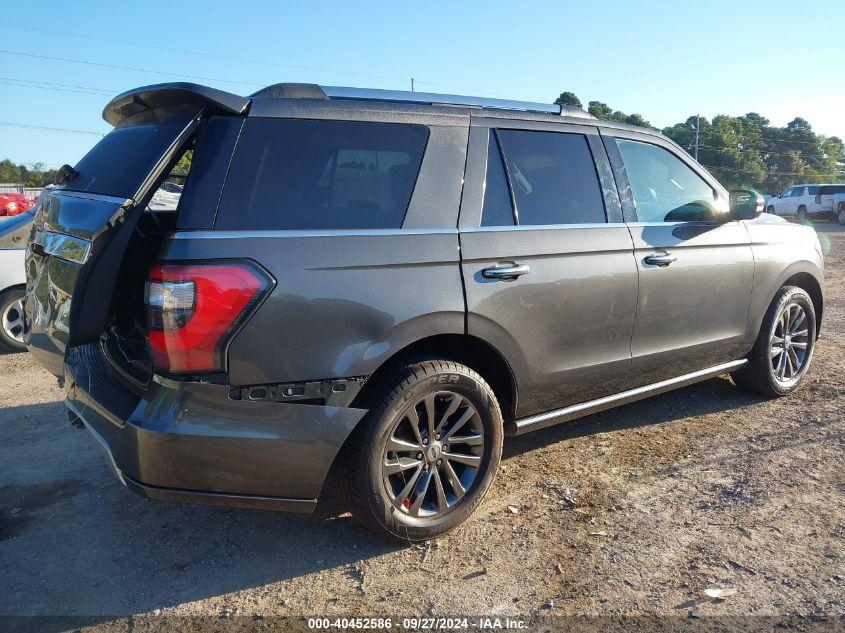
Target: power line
765	172
741	150
132	68
52	83
44	127
263	62
80	92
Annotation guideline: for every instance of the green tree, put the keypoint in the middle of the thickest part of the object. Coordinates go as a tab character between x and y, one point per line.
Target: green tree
605	112
600	110
569	98
9	172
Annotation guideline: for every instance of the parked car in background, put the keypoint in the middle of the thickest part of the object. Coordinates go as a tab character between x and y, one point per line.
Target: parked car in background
838	202
382	285
806	202
14	232
14	203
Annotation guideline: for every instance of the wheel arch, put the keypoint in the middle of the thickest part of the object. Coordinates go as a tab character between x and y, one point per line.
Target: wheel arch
13	287
807	282
466	349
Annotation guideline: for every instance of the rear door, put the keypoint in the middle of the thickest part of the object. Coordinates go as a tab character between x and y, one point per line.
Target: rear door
812	200
547	261
695	263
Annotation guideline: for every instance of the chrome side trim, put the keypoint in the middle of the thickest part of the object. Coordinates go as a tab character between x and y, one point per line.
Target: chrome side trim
183	235
67	247
542	227
542	420
91	196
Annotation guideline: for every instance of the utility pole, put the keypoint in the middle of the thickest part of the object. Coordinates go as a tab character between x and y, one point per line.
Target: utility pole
412	84
697	128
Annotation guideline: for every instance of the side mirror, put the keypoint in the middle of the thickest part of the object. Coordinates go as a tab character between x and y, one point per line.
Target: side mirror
746	204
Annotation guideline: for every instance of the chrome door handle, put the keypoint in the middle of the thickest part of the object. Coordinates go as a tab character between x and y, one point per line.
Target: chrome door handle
505	272
660	260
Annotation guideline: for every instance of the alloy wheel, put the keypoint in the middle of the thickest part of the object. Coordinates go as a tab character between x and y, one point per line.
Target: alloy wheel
12	320
789	343
433	454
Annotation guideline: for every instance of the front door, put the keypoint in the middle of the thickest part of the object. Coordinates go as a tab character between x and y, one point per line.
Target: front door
792	200
695	263
550	281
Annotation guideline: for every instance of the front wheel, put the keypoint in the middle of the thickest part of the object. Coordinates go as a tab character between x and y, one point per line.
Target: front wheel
784	347
11	320
841	213
801	216
426	453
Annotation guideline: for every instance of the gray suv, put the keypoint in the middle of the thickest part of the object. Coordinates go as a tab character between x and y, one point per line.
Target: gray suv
374	288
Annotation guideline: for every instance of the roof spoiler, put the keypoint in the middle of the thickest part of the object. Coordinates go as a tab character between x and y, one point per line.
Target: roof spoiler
159	99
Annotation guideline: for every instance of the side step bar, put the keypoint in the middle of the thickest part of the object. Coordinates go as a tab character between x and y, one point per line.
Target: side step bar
542	420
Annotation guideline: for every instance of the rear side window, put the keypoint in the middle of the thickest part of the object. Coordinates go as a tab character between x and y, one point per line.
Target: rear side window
498	210
813	191
310	174
119	164
828	190
553	178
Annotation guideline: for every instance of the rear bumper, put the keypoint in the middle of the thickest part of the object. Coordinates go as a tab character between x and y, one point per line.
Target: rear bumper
189	441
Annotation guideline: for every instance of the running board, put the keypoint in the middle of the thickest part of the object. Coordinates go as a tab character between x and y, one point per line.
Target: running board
542	420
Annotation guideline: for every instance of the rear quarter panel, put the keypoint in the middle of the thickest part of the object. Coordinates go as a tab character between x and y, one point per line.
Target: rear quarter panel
344	301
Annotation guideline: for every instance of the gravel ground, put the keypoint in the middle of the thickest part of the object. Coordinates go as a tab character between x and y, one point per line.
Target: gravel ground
634	511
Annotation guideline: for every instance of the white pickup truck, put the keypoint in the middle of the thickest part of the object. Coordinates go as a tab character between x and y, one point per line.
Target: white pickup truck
839	206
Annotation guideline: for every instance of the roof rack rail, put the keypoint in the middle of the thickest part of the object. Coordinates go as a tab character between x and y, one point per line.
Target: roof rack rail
314	91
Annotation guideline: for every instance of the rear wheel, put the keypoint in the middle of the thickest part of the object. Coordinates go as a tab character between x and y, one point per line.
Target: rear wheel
426	453
841	214
801	216
11	320
784	347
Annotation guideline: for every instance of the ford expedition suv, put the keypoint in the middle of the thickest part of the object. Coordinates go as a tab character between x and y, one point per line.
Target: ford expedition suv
383	285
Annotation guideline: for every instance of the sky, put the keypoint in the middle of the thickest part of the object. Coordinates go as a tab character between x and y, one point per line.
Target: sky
665	60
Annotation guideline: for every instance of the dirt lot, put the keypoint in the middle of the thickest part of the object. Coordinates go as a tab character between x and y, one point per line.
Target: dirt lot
633	511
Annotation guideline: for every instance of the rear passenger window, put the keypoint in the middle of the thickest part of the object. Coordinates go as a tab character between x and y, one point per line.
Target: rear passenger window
498	210
310	174
553	178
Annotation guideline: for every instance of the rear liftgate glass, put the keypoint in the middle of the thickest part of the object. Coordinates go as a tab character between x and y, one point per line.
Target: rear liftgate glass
82	229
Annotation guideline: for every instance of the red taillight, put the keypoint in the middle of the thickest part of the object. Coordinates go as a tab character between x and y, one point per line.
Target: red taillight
193	309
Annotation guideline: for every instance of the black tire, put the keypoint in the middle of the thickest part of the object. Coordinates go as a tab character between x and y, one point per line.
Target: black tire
841	213
11	311
801	215
363	481
759	374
